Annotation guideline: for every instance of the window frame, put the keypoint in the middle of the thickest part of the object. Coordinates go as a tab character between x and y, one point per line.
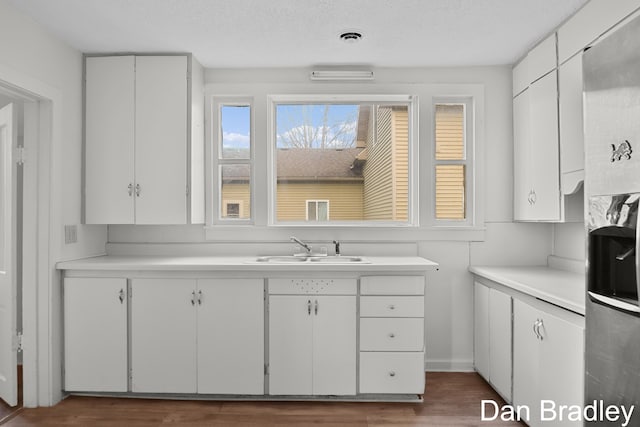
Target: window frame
412	102
468	161
214	192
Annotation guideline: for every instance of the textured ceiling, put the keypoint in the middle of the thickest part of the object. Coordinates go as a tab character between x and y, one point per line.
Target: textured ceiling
303	33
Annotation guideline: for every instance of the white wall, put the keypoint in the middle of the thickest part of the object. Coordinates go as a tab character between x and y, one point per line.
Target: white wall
449	296
569	240
30	50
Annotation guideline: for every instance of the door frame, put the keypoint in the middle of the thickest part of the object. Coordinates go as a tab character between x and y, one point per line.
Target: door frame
41	302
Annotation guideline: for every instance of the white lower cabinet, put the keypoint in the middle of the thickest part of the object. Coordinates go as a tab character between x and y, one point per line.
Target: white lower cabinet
197	336
548	361
492	337
392	335
312	342
95	334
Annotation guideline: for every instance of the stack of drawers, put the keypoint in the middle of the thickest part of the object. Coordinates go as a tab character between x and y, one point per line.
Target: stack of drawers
392	334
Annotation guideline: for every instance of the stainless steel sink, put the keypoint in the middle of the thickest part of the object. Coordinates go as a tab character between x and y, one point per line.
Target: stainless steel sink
291	259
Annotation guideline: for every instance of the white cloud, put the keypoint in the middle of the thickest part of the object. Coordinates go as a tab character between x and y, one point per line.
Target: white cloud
235	139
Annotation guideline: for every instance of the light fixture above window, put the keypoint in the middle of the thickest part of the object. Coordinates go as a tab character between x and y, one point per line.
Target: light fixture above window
341	75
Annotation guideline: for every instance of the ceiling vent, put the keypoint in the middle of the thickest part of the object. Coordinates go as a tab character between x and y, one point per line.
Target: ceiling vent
350	36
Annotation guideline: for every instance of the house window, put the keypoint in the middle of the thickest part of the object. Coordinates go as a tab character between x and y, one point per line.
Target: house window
233	209
317	210
233	158
452	160
353	155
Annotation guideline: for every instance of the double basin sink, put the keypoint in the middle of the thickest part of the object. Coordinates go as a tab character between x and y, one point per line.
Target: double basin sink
297	259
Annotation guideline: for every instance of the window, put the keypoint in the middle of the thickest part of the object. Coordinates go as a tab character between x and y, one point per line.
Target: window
233	158
452	161
352	155
317	210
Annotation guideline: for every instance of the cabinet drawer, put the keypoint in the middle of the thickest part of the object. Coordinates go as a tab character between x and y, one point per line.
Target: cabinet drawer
392	373
392	285
390	306
386	334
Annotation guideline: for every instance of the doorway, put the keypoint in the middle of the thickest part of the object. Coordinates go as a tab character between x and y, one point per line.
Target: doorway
11	250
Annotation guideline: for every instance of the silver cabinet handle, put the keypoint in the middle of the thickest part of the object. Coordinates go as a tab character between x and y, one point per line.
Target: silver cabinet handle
309	307
530	197
130	189
392	374
534	197
121	296
138	190
315	307
193	298
392	307
535	328
200	297
392	335
540	324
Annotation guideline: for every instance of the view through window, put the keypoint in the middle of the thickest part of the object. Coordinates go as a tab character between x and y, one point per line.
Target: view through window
234	161
339	162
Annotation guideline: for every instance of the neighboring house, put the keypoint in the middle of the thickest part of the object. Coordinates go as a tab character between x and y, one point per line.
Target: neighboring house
369	182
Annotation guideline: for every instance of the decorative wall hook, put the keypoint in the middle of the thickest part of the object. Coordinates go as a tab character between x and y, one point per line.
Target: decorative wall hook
623	151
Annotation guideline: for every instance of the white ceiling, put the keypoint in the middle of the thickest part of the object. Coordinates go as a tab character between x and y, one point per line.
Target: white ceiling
304	33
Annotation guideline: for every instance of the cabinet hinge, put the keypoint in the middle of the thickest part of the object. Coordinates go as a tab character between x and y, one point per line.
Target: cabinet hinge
20	155
17	342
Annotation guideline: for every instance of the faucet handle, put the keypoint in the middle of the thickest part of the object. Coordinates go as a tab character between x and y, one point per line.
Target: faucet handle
337	243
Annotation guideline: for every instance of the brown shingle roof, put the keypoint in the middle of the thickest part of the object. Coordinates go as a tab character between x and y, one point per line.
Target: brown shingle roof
298	164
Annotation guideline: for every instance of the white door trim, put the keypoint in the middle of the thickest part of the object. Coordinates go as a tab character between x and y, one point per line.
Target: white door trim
42	381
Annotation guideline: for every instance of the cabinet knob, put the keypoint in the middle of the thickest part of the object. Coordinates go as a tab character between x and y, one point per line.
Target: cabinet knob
392	374
392	307
392	335
130	189
121	296
138	190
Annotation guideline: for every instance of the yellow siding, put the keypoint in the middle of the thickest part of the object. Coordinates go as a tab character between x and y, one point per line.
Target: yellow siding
236	193
401	163
449	132
450	192
345	200
450	178
378	171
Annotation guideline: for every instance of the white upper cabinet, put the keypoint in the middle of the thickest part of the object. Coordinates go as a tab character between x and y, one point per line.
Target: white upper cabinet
542	58
109	139
571	124
521	76
589	23
143	140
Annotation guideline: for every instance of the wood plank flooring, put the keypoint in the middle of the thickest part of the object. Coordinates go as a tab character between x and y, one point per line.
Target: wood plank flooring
452	399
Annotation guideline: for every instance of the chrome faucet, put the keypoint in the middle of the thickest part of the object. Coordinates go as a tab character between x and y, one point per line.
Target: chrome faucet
337	243
301	243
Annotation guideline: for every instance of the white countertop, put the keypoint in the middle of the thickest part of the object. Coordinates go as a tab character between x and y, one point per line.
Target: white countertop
216	263
562	288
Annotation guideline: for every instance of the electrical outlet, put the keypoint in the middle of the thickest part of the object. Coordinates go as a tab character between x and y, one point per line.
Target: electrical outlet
70	234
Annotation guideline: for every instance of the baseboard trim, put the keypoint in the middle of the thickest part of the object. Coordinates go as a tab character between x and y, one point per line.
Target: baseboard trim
448	365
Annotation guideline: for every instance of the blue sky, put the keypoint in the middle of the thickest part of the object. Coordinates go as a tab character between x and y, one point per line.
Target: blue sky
236	122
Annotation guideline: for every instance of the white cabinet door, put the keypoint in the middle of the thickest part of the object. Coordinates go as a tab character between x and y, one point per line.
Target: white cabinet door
561	363
334	345
500	342
571	128
481	329
109	140
95	334
161	139
522	210
525	359
545	170
231	336
163	335
290	345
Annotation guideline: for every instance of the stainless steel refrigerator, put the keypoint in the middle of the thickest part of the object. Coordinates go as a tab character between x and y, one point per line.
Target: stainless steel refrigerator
612	184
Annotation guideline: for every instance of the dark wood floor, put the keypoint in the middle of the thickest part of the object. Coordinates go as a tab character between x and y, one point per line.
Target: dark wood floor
452	399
